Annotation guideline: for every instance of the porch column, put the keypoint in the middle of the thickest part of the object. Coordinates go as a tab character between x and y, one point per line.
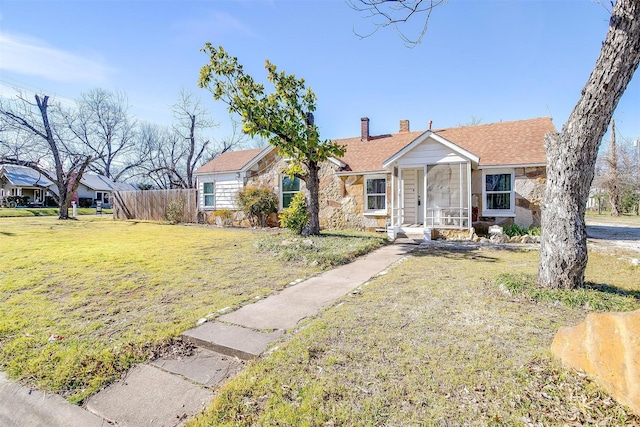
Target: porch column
469	207
461	200
424	197
400	197
393	191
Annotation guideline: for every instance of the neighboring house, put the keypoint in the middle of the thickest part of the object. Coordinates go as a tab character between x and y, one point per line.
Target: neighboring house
408	181
25	182
99	188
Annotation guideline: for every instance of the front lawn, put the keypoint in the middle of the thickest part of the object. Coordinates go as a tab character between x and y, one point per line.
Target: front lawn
82	301
606	218
435	341
22	212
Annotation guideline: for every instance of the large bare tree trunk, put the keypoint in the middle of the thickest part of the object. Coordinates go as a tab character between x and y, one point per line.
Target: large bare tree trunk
571	154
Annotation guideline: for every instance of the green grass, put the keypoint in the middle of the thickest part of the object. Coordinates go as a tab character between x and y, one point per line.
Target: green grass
606	218
27	212
593	296
329	249
434	341
114	291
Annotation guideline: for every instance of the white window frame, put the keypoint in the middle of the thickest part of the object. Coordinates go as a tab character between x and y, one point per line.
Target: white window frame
366	196
512	194
102	196
205	194
283	192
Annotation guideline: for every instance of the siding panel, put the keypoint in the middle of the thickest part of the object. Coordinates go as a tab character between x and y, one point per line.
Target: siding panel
428	153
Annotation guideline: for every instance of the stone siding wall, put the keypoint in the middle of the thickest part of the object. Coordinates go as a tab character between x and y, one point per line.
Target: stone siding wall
529	188
342	203
341	198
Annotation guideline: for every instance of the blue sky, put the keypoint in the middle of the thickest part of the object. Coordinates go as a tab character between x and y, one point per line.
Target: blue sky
489	60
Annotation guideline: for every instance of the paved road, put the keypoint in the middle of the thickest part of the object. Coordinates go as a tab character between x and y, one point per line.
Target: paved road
610	236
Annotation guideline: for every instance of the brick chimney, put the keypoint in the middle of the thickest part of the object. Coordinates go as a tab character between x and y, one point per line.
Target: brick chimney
404	125
364	129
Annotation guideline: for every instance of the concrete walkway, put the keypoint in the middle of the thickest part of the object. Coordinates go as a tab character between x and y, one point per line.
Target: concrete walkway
166	392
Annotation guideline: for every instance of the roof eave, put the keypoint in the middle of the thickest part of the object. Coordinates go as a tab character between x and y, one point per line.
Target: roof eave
375	172
512	165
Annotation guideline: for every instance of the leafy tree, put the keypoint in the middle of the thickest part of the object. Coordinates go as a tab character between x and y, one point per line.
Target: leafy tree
284	117
36	135
572	152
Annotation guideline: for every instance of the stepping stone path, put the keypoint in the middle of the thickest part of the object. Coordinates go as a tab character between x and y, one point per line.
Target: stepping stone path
167	391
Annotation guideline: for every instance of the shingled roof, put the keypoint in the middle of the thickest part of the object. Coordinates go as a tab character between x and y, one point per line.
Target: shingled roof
368	155
511	143
518	142
231	161
505	143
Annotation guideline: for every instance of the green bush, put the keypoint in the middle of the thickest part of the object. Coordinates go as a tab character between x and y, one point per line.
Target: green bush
257	203
175	210
295	217
515	230
85	202
13	201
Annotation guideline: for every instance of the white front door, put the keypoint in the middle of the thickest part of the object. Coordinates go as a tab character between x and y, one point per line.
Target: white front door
410	196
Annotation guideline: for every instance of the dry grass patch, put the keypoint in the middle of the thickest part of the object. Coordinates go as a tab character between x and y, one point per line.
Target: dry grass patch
606	218
81	301
433	342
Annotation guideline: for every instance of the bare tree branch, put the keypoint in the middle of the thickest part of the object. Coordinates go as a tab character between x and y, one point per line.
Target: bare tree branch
387	13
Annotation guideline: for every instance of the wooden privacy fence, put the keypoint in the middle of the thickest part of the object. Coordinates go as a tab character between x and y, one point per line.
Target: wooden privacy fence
153	204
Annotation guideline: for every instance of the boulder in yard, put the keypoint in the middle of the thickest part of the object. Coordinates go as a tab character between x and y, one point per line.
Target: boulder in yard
607	347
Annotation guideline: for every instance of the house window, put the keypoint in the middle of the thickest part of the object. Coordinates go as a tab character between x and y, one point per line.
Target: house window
102	196
289	189
209	194
376	194
498	194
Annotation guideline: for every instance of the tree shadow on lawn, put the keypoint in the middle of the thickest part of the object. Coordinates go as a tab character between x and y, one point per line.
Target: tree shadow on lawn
455	253
609	289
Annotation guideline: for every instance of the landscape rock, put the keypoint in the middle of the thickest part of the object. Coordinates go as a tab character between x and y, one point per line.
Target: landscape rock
499	238
607	347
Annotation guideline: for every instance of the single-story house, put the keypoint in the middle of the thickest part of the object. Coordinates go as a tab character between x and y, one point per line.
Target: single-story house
23	181
99	188
407	181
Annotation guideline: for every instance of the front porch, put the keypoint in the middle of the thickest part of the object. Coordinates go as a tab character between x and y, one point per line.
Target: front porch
430	197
